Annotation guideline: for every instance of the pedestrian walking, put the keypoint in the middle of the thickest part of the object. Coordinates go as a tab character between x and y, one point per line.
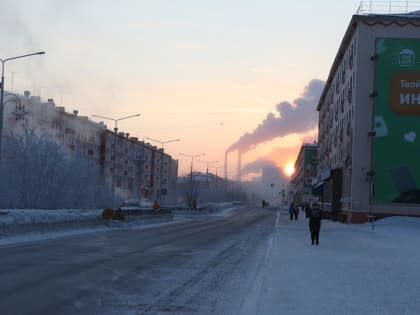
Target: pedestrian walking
315	223
307	210
296	212
292	210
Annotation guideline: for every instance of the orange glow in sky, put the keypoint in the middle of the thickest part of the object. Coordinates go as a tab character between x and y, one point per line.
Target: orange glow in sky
289	169
198	71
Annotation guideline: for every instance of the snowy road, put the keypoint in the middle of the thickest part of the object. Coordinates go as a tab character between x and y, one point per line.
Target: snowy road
204	265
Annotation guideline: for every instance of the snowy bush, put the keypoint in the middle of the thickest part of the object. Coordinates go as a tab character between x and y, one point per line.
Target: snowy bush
37	172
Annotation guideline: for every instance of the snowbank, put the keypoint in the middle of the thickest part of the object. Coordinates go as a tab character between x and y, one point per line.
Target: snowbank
37	216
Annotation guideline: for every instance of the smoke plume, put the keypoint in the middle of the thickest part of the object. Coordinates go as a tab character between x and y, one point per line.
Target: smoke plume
256	166
269	171
298	117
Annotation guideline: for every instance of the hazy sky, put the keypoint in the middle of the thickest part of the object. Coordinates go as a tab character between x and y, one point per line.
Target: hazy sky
207	72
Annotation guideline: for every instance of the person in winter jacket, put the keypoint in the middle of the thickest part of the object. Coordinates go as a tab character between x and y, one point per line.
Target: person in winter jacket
315	223
296	212
292	210
156	205
307	209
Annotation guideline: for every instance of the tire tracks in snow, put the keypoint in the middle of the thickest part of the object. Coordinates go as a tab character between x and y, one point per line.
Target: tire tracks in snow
250	303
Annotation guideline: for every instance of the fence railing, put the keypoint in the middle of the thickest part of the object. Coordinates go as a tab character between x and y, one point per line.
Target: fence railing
388	7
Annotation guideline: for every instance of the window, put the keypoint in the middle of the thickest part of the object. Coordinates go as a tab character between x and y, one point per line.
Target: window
350	90
337	84
351	53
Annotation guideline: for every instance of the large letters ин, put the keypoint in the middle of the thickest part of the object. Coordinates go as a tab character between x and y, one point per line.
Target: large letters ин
404	95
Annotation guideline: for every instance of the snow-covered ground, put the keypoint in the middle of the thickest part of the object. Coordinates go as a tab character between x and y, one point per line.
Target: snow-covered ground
9	217
354	270
29	225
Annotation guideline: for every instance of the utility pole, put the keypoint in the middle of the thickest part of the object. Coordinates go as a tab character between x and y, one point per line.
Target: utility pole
115	149
191	172
162	192
3	61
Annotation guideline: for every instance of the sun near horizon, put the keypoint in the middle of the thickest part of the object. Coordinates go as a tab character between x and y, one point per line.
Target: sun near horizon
289	169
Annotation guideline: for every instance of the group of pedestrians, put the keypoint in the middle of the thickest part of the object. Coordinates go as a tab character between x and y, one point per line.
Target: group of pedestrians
314	214
265	203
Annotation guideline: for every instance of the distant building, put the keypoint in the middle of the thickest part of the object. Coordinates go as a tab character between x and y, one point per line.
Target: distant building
305	173
369	120
208	188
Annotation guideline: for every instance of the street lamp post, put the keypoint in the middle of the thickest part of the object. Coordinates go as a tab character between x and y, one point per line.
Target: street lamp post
191	170
115	148
217	177
207	170
161	167
13	73
3	61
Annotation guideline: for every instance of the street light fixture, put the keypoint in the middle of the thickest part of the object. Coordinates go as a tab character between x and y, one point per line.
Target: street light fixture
207	171
217	177
115	148
161	168
191	174
192	159
3	61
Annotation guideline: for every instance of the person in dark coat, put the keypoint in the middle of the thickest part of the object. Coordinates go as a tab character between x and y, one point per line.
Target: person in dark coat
296	212
307	210
315	223
292	210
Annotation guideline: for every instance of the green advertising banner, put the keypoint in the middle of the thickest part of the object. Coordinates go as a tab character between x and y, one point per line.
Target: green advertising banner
396	157
310	163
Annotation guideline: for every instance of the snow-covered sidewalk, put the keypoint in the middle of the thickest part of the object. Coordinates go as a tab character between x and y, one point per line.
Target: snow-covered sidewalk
354	270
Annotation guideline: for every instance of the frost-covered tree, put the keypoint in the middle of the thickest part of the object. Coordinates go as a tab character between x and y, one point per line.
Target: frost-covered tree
37	172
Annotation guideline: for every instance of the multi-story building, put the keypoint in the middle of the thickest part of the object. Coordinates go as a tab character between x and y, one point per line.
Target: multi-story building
368	120
162	182
305	173
141	170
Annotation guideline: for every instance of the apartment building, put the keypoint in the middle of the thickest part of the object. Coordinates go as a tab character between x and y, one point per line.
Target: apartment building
368	120
141	170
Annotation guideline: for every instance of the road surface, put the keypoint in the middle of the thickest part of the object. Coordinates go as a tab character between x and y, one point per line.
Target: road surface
205	264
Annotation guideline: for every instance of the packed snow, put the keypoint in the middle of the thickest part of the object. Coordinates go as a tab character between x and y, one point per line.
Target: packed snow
39	216
354	270
29	225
